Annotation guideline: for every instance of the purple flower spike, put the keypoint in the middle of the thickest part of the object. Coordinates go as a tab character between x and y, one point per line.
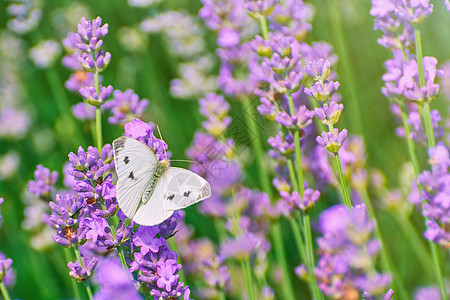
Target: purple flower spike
7	274
284	146
125	107
436	191
329	114
82	273
5	266
228	37
346	264
332	141
427	293
216	275
260	7
319	69
90	34
114	282
294	200
143	132
66	210
145	238
166	270
90	94
322	91
215	108
44	182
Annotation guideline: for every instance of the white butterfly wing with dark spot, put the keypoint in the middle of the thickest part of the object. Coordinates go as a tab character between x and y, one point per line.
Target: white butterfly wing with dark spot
184	188
135	164
152	212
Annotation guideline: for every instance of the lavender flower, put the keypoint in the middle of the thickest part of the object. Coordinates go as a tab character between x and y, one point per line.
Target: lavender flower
44	182
114	281
332	141
83	111
143	132
156	263
45	53
94	98
428	293
322	91
291	17
329	114
84	271
216	273
291	201
79	79
25	16
435	184
318	69
347	253
284	146
215	109
125	106
246	243
14	123
6	273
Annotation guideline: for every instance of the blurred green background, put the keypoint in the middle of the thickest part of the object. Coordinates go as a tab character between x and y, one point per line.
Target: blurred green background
43	275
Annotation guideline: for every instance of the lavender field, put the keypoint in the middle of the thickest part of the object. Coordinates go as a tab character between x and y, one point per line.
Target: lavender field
225	149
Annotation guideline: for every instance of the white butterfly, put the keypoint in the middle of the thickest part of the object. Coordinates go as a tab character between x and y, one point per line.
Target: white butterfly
148	190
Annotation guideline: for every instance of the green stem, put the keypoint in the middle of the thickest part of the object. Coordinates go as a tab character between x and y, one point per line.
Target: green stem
347	73
113	222
298	152
278	243
342	182
80	262
424	109
249	115
310	254
74	285
415	240
276	233
245	279
4	291
221	294
98	128
220	229
426	117
264	27
248	271
437	266
409	141
419	55
306	220
292	174
385	258
298	239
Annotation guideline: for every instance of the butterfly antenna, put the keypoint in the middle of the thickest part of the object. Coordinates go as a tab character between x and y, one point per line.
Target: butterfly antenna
160	136
187	160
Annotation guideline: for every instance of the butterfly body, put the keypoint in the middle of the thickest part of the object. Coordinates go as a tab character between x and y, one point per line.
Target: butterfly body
160	169
148	191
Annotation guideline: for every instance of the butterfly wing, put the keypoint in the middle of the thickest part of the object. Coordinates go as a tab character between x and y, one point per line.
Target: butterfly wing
135	164
184	188
152	212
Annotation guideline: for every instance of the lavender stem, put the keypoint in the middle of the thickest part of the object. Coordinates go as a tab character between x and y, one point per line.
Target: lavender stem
425	112
275	229
75	290
4	291
385	257
88	288
342	182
